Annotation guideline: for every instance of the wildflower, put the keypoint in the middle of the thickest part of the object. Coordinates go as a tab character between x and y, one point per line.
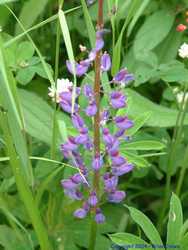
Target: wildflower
97	162
183	50
92	200
99	217
105	62
63	85
80	213
123	77
116	196
80	68
123	122
118	100
181	27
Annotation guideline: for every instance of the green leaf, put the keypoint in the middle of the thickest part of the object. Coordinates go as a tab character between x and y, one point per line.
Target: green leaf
24	51
138	123
147	226
136	160
7	1
175	221
126	239
30	12
25	75
37	115
160	22
89	24
160	115
143	145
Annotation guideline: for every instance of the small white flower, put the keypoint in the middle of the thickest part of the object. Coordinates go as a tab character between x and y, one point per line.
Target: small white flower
183	50
63	85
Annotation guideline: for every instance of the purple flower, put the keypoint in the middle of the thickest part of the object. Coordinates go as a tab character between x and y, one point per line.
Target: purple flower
113	147
92	200
73	194
117	159
123	77
99	44
116	196
80	68
83	137
120	133
77	178
89	145
92	55
105	62
80	213
107	137
97	163
91	109
123	122
70	145
104	117
123	169
99	217
77	121
118	100
68	184
88	91
77	159
110	182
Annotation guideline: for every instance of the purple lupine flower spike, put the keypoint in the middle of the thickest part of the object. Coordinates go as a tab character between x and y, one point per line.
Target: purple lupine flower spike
70	145
83	137
73	194
117	159
110	182
105	62
116	196
80	68
123	122
104	117
117	100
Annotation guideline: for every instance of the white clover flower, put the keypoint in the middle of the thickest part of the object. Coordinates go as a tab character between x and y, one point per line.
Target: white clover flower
63	85
183	50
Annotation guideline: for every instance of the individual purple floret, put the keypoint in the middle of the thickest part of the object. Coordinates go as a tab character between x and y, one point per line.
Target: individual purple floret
123	77
105	62
99	217
107	164
116	196
117	100
91	109
123	122
80	213
92	200
122	169
97	163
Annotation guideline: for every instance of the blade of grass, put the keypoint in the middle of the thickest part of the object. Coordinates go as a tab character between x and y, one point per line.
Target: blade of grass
11	104
89	24
23	189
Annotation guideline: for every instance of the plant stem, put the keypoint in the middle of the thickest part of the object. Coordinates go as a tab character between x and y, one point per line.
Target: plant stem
54	124
175	141
96	179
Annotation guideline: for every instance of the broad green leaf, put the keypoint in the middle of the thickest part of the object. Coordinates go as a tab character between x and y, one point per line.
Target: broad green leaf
184	242
126	239
147	226
138	123
146	39
89	24
24	51
25	75
38	116
30	12
175	221
160	115
143	145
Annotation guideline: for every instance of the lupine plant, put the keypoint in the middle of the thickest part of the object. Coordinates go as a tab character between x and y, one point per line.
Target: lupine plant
106	162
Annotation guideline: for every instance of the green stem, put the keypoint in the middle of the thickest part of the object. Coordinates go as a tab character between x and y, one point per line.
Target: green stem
54	121
182	173
23	189
96	178
175	141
